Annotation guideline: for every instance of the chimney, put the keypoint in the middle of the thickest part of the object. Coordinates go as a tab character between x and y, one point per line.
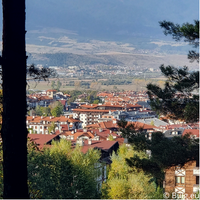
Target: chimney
75	130
100	130
97	138
85	130
41	117
72	132
89	141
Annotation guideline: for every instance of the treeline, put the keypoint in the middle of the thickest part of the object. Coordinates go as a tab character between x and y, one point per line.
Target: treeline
87	85
116	82
89	96
60	172
55	109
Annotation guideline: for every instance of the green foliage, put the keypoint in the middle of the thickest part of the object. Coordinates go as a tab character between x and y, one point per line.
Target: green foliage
30	130
57	111
137	138
152	123
110	138
53	85
38	111
197	195
56	108
58	86
46	111
158	194
176	98
116	82
60	172
190	33
91	96
52	128
74	94
95	101
125	182
183	149
42	111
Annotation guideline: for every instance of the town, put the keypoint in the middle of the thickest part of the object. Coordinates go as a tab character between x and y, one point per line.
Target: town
99	99
96	126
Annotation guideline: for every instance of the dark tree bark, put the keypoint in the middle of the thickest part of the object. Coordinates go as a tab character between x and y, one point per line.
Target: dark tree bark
14	132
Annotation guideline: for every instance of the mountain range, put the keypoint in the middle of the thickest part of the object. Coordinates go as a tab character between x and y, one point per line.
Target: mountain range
109	19
104	26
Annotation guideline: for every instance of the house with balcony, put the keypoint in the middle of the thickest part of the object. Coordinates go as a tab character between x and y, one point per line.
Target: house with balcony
185	179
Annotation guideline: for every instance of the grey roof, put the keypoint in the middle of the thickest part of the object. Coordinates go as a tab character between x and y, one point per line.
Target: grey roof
157	122
172	133
145	104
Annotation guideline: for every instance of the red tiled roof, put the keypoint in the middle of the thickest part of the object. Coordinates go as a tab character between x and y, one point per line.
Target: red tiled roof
104	94
120	140
51	119
108	124
192	132
78	134
65	127
138	125
104	133
41	139
92	126
104	145
90	110
63	102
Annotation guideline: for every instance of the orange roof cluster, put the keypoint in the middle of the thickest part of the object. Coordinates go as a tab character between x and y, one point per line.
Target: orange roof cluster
42	139
78	134
194	132
138	125
104	125
39	97
104	145
89	110
105	94
94	108
38	119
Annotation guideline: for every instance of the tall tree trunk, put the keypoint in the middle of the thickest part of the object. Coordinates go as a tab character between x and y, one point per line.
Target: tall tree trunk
14	132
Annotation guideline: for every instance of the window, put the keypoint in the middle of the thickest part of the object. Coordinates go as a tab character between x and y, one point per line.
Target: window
197	180
180	180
